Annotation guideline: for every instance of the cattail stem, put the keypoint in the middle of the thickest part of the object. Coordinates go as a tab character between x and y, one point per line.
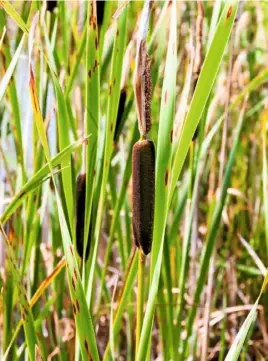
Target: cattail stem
140	298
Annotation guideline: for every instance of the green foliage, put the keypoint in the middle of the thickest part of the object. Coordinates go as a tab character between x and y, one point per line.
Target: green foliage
60	94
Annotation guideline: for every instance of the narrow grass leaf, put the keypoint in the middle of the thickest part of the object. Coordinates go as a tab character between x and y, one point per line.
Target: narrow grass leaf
78	58
26	313
204	85
64	138
253	255
240	338
10	70
2	37
14	15
183	105
12	60
111	335
254	84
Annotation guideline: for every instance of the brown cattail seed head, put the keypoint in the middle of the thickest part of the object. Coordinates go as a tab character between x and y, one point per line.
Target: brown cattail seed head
143	193
80	215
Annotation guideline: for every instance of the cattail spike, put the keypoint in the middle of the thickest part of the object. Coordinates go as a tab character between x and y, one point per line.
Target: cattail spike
143	154
143	193
80	215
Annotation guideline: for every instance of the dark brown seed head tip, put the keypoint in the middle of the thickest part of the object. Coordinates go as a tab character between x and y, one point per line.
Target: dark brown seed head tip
51	5
148	94
143	193
80	215
119	118
100	11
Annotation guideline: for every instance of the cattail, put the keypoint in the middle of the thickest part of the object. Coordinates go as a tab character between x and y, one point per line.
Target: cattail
143	154
143	193
80	215
143	164
120	112
51	5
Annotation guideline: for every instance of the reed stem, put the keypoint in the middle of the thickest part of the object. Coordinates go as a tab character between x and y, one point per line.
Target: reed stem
140	300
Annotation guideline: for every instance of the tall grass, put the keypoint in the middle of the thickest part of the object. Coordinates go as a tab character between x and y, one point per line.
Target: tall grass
68	107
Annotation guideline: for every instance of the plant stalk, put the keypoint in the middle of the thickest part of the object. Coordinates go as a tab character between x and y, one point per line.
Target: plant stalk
140	299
